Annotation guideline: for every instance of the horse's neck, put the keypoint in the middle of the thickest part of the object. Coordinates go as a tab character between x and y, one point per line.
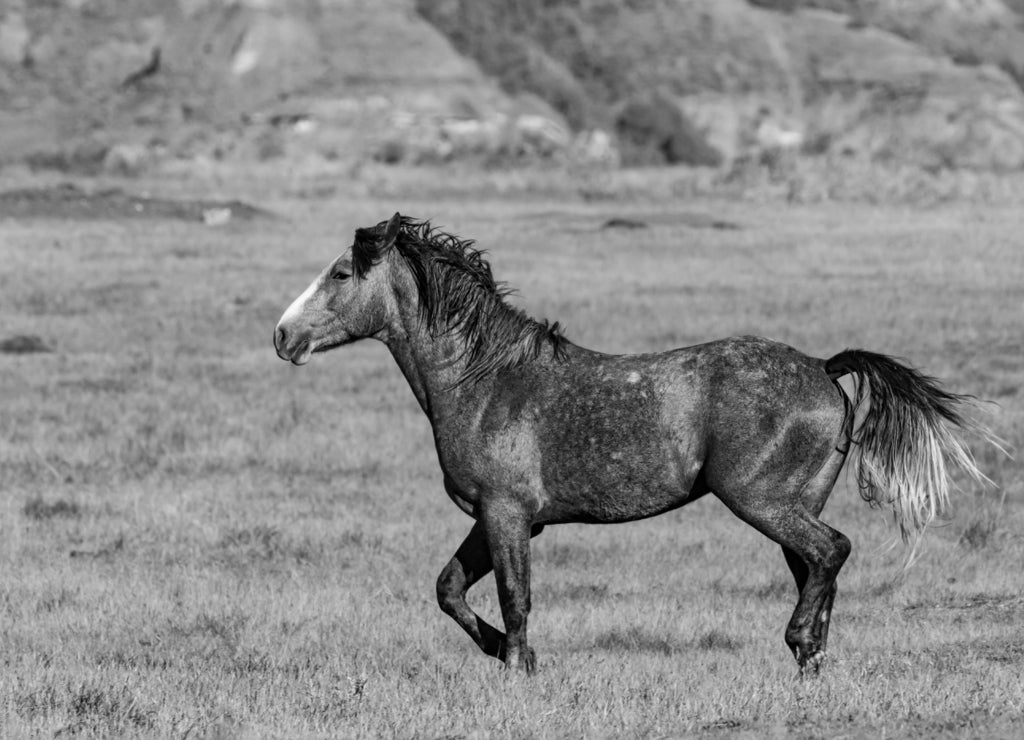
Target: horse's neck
429	370
433	367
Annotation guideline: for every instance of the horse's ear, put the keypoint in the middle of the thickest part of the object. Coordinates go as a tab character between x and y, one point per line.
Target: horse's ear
391	231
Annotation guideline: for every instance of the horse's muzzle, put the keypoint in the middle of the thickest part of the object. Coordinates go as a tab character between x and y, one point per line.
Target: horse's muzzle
294	349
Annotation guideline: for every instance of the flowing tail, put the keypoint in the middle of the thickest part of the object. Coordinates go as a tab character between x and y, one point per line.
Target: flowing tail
907	442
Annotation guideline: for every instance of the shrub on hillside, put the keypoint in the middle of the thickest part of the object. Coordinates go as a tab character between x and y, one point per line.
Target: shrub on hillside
652	130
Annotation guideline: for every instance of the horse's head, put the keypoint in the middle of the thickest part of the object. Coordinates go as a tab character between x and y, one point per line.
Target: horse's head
346	302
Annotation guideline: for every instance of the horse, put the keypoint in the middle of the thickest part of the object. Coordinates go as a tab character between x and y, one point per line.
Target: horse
532	430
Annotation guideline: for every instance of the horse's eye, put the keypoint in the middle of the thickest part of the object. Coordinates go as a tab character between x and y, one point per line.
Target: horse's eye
340	274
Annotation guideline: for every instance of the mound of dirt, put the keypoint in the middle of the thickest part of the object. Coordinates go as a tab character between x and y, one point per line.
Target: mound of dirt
24	344
73	202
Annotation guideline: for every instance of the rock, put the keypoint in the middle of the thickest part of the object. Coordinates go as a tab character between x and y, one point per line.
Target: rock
423	138
42	51
108	65
541	136
622	222
14	39
129	160
596	147
278	50
217	216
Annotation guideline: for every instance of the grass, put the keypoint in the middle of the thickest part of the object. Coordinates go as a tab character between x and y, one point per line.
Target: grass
199	540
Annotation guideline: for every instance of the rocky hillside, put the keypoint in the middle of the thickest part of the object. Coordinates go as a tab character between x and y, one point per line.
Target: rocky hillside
94	84
86	84
934	83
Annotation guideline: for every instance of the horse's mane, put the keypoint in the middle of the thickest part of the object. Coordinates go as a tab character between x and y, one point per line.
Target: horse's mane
457	293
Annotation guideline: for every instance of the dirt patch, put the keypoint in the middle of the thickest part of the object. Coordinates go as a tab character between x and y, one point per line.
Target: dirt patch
73	202
24	344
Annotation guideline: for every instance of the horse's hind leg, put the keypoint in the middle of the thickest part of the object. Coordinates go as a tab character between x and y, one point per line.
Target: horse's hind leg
821	623
471	562
821	551
814	551
813	498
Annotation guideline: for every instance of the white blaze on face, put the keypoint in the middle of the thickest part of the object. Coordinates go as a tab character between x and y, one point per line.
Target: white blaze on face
299	304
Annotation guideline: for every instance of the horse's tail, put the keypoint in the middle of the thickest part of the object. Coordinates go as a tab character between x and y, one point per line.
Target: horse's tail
907	440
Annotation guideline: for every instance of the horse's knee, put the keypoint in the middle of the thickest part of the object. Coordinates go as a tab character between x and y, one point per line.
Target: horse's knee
829	558
451	588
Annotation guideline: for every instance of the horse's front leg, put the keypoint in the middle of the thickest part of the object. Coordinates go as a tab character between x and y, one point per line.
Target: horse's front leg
471	562
507	526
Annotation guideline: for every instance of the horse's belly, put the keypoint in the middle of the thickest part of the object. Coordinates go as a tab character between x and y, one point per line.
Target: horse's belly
621	464
620	491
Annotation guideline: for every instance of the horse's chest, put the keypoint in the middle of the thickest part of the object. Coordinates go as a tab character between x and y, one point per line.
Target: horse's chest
502	462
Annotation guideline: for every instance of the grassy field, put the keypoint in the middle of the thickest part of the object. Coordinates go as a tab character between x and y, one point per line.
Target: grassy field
197	539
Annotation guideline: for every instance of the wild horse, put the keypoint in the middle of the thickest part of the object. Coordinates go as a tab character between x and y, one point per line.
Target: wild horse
532	429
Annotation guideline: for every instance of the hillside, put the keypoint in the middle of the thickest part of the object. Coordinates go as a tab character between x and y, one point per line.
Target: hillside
91	85
931	83
191	78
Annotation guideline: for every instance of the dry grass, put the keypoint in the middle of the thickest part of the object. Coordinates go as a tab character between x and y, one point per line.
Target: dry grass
200	540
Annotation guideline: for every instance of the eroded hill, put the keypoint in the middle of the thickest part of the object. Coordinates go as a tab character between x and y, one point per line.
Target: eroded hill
93	84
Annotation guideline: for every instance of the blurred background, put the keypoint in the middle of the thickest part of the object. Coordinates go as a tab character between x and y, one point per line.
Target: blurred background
806	100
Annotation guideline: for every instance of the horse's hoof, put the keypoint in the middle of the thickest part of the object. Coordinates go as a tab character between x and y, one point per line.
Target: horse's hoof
528	661
811	665
525	661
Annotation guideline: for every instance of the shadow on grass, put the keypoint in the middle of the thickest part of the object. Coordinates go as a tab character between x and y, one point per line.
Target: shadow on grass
635	639
41	510
86	709
574	555
993	608
583	592
263	543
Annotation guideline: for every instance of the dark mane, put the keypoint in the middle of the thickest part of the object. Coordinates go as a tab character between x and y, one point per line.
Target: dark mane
457	293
